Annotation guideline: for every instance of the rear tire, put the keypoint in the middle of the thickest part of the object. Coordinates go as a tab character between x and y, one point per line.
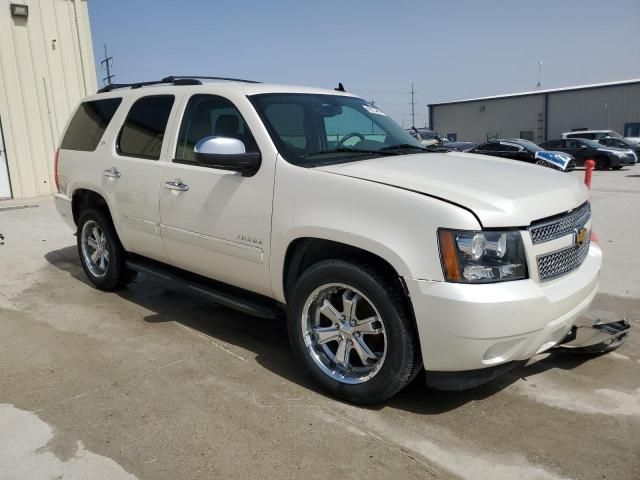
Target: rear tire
101	253
351	329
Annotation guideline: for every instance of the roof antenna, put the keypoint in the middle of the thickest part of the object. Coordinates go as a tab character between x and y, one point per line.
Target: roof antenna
340	87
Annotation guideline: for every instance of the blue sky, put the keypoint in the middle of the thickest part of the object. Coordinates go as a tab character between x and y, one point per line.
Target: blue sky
448	49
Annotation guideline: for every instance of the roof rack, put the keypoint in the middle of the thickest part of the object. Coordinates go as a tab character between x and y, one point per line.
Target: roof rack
172	79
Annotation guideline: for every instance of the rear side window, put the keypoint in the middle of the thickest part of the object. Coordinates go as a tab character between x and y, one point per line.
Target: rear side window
143	129
89	123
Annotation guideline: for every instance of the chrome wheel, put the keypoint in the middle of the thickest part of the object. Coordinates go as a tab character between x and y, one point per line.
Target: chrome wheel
95	250
344	334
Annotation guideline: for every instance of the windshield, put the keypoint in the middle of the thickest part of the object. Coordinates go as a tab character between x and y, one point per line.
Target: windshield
310	129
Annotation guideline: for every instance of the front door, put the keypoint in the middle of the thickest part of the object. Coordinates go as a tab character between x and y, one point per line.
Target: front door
5	187
214	222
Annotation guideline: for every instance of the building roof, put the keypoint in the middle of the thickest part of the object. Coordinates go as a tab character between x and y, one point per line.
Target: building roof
538	92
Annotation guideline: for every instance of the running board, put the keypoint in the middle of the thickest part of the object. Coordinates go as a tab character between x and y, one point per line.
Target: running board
227	295
597	338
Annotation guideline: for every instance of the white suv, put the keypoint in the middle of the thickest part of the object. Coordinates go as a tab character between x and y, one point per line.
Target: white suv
385	255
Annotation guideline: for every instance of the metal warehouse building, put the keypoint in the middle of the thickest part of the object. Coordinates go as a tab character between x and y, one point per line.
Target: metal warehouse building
46	67
543	114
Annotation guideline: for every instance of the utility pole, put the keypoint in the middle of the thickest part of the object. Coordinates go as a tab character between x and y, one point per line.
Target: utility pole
106	64
413	106
539	84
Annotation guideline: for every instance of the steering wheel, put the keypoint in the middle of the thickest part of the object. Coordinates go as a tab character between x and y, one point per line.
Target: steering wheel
347	137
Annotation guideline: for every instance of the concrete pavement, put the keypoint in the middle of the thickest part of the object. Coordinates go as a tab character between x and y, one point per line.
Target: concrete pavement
155	383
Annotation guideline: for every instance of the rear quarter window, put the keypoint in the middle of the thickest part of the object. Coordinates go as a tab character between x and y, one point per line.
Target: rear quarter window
88	124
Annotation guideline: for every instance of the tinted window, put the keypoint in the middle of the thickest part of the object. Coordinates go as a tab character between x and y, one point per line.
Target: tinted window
89	123
143	130
488	147
508	148
209	116
552	144
573	144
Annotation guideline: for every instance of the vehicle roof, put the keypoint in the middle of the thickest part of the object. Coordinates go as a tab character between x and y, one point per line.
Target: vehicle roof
244	88
574	132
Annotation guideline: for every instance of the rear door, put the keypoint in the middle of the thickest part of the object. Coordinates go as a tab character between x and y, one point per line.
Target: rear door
132	173
217	223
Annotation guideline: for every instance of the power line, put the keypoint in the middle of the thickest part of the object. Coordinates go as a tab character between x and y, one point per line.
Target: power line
106	64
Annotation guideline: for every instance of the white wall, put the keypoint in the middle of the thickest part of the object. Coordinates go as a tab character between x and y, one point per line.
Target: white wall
472	121
46	67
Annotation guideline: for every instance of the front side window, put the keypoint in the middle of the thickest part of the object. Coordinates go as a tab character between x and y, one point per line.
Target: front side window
309	129
89	124
211	116
143	130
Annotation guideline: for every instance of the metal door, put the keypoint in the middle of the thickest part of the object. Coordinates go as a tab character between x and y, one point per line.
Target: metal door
5	187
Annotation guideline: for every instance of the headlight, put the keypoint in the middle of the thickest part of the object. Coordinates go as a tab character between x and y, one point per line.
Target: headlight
482	257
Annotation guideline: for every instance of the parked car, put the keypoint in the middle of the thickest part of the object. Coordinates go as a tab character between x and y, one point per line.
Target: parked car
622	143
526	151
592	134
460	146
598	134
389	259
583	150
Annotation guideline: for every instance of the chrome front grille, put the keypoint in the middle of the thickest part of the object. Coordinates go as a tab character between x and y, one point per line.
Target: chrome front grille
560	226
552	265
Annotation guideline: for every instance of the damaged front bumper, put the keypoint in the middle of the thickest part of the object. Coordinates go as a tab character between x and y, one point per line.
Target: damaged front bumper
597	338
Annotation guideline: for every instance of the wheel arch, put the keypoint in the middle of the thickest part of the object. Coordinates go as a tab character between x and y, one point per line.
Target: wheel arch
303	252
84	198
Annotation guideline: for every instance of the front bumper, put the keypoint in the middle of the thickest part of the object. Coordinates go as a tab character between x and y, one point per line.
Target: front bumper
469	327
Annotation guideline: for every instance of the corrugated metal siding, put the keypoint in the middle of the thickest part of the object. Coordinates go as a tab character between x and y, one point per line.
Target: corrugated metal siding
40	84
599	108
509	116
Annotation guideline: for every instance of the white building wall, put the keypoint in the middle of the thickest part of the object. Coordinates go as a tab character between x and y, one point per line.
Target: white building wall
607	108
473	120
46	67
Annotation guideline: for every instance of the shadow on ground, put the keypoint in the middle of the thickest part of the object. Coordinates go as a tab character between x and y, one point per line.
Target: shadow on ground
268	339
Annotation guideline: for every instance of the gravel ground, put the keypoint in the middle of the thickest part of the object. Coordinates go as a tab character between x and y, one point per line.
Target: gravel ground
155	383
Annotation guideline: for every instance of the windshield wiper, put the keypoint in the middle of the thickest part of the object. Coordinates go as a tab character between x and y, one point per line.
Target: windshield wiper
358	151
405	146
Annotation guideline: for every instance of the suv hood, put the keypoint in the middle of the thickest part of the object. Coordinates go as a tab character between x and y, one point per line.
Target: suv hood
501	193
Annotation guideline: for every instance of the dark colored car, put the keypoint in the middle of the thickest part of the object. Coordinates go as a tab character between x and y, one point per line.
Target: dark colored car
460	146
525	151
583	150
622	143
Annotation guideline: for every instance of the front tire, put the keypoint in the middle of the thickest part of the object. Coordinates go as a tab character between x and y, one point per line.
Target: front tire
101	253
351	329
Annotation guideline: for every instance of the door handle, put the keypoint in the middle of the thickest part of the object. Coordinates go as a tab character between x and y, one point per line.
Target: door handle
176	185
112	173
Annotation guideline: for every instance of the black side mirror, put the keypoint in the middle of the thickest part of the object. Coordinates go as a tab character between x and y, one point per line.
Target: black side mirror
227	153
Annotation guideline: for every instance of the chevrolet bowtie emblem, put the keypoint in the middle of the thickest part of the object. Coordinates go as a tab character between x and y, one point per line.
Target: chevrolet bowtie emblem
581	236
